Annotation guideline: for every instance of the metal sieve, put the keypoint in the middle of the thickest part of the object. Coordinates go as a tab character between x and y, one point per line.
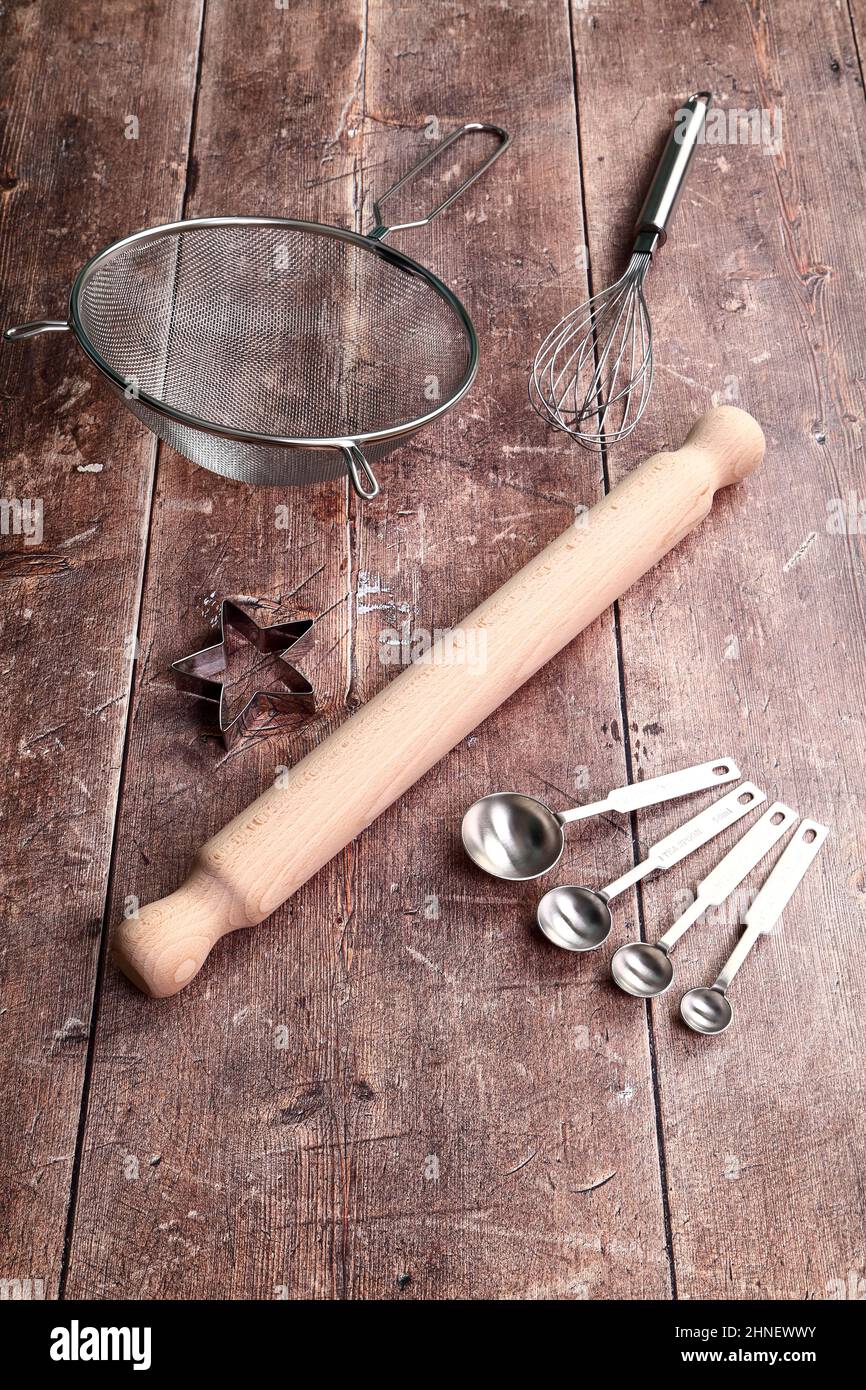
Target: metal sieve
275	351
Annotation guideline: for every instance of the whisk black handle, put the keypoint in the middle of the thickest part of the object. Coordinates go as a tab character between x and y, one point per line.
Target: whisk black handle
670	175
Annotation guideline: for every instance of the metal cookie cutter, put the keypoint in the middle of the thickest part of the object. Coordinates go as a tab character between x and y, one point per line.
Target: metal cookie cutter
266	710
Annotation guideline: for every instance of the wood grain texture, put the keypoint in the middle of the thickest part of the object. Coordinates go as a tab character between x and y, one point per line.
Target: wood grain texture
346	1162
71	181
510	1135
396	1090
755	636
220	1192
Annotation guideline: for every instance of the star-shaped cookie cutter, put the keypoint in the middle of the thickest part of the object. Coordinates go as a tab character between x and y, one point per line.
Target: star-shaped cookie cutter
267	711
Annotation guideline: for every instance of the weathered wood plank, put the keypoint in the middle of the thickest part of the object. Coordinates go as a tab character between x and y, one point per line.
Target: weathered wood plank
751	635
507	1148
74	80
395	1089
197	1178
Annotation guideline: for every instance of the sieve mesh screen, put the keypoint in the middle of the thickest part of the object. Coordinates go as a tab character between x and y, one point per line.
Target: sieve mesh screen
275	329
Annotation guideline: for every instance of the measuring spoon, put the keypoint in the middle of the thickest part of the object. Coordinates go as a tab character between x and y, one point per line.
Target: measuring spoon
517	837
644	969
578	919
708	1010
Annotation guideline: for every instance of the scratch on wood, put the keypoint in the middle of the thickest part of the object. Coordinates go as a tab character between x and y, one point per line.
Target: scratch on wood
802	549
522	1164
599	1182
355	94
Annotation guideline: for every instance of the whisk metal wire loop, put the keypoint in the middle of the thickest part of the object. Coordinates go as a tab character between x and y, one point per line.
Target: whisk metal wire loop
609	337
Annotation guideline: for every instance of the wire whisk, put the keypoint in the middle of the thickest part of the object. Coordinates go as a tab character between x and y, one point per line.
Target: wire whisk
593	374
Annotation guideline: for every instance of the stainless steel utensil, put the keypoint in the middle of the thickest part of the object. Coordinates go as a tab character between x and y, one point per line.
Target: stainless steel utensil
644	969
593	373
708	1010
275	351
518	837
266	711
579	919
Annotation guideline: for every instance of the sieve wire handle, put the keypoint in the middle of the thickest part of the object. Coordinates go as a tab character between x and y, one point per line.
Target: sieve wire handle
381	229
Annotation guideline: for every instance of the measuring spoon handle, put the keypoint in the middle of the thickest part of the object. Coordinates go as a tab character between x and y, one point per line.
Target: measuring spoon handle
774	896
783	881
729	873
696	832
704	826
749	850
657	789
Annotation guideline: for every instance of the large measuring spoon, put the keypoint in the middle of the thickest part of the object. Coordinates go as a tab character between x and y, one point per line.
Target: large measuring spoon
578	919
644	969
708	1010
518	837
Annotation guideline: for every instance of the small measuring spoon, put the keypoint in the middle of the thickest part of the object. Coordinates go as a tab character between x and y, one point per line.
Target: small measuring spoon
517	837
708	1010
578	919
645	969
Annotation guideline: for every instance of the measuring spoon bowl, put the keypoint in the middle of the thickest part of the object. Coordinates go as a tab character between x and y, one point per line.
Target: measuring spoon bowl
577	919
512	836
642	969
706	1010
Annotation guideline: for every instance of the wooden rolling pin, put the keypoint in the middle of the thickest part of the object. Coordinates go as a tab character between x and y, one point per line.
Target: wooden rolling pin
269	850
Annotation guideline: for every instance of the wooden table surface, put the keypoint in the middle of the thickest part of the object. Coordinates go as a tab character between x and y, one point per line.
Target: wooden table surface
395	1088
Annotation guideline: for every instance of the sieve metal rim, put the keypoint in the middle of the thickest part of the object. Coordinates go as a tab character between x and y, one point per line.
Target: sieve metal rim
367	243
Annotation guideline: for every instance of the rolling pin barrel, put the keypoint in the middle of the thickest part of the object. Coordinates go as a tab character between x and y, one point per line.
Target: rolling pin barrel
264	855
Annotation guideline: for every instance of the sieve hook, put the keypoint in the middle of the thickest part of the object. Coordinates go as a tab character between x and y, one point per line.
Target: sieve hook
32	330
358	469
